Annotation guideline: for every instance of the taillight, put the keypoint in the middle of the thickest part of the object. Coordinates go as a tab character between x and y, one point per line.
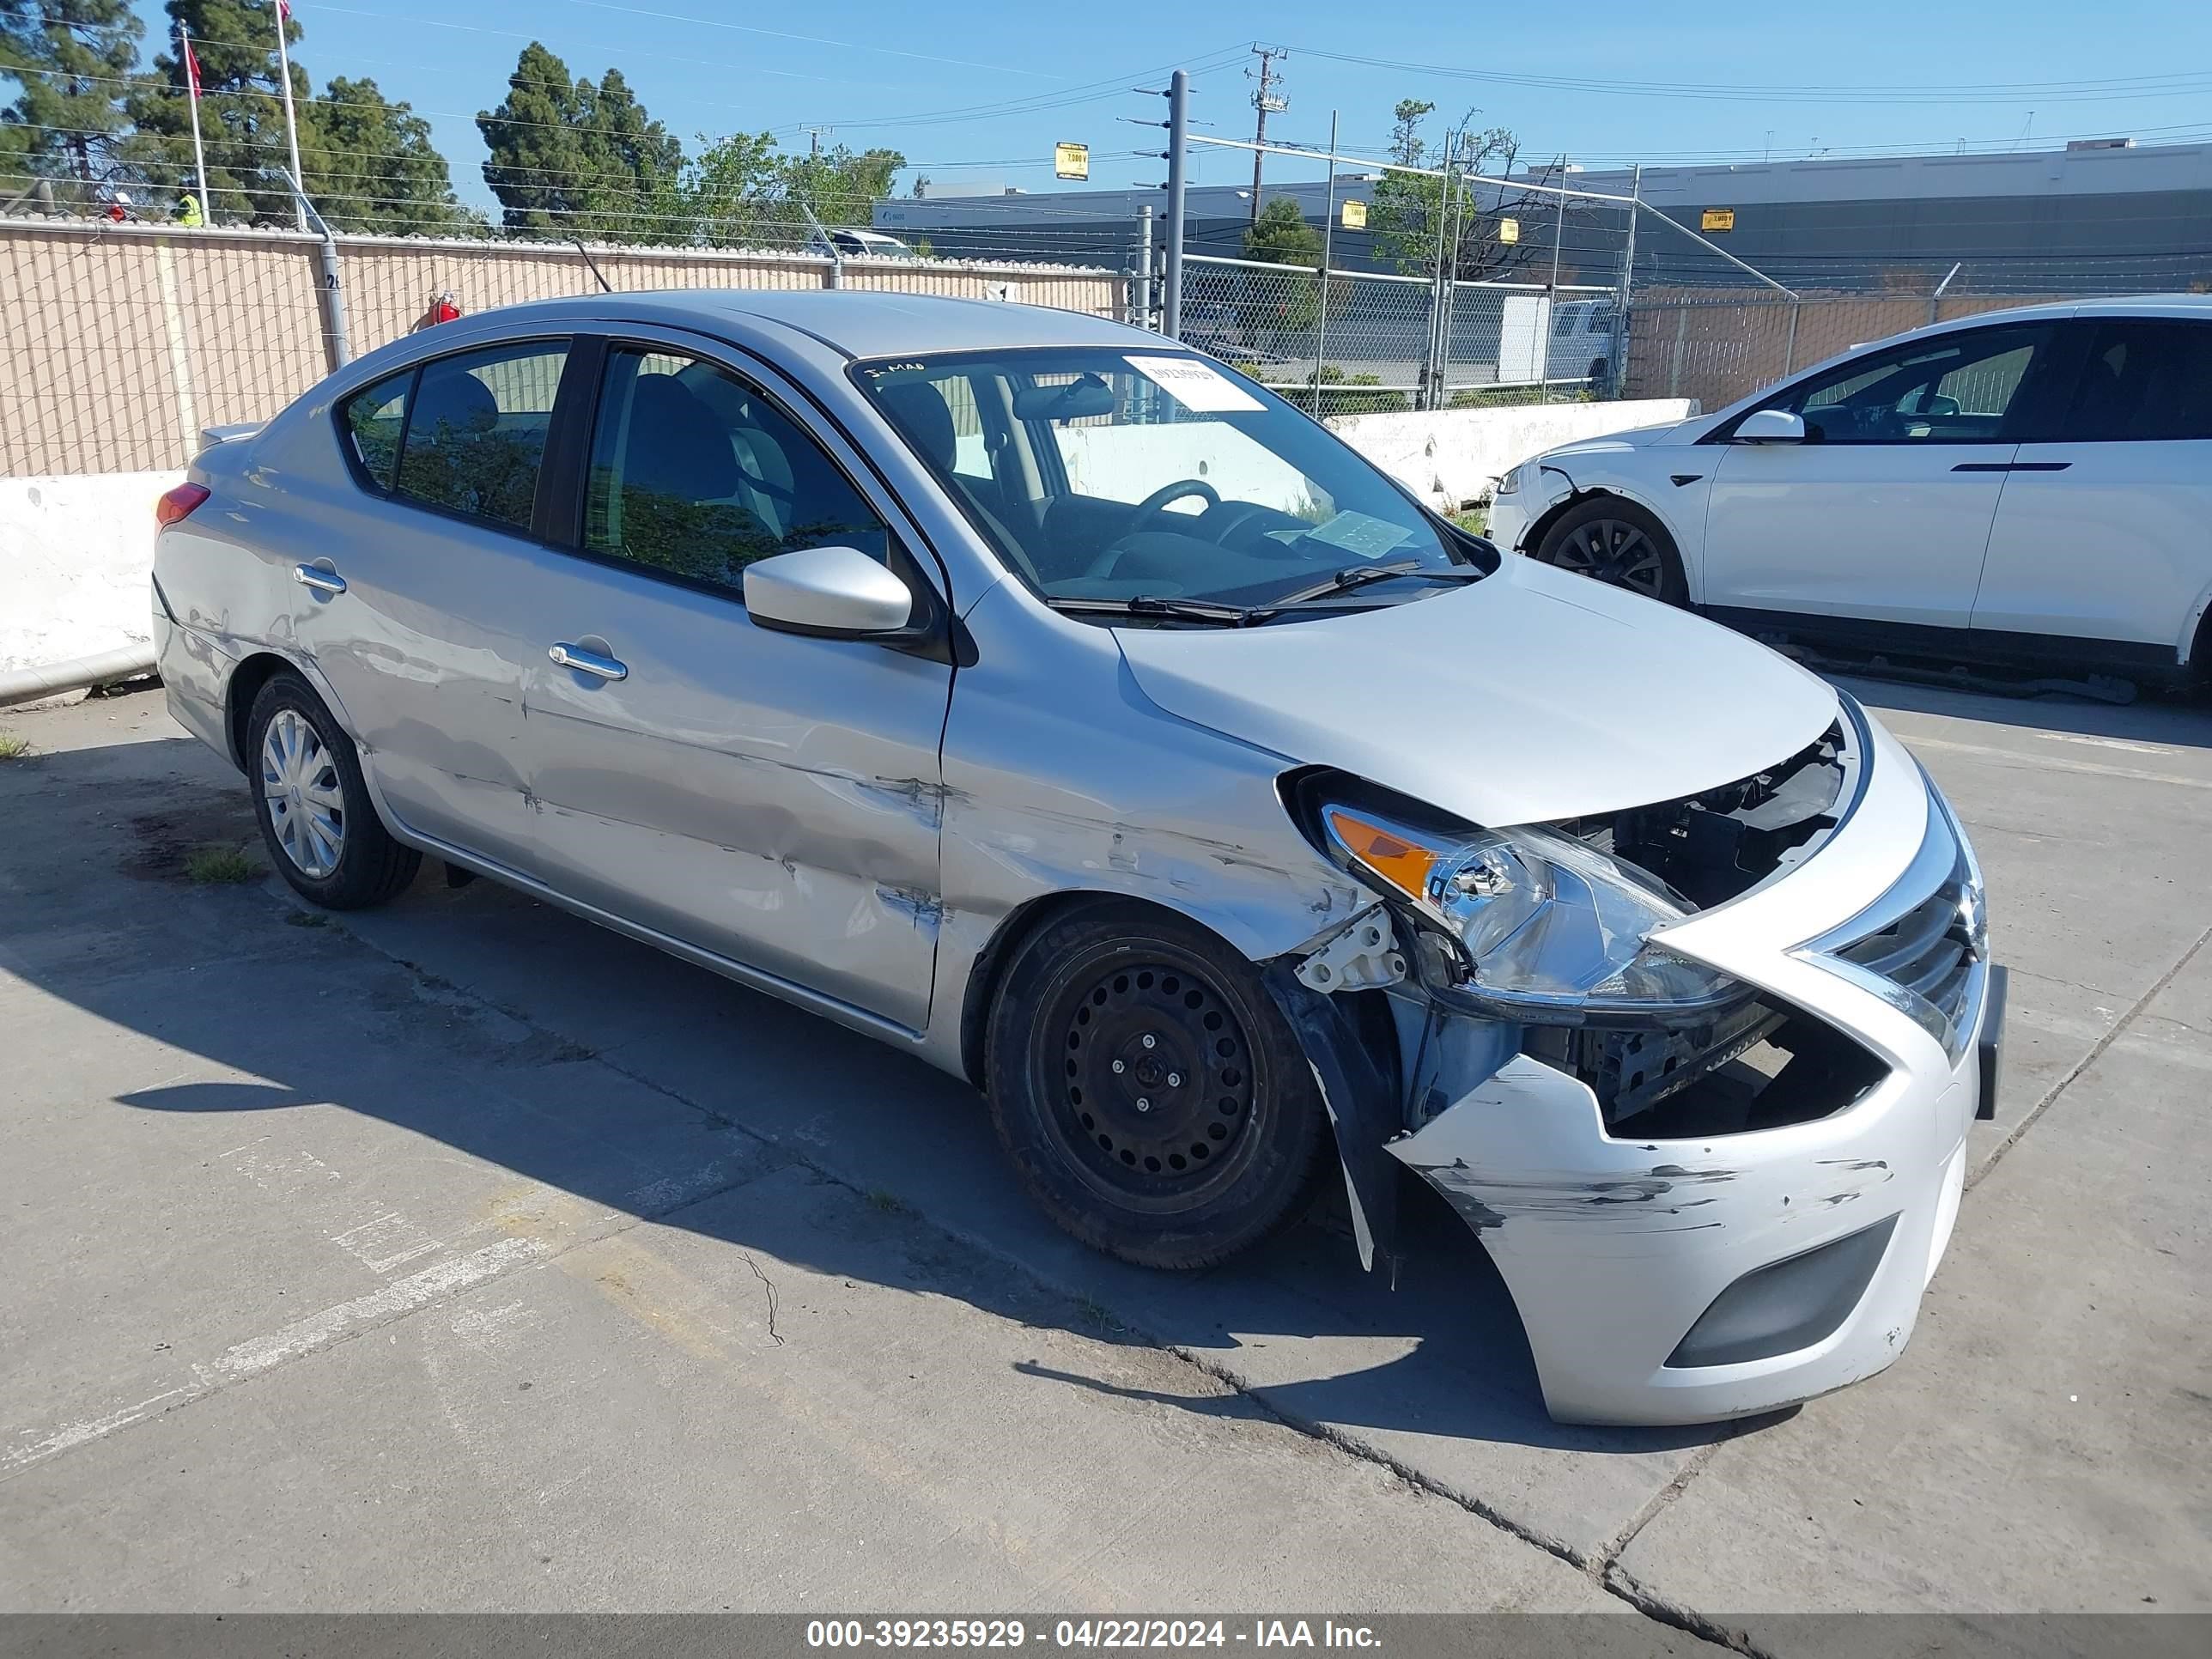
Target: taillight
177	504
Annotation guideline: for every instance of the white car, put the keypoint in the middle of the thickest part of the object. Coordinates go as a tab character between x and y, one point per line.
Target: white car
2028	487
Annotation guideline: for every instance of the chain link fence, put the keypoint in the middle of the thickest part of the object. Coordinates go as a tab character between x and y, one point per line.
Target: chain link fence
1372	342
119	344
1717	346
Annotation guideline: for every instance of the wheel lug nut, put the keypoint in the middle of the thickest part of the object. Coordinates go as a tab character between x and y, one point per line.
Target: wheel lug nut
1144	1105
1119	1068
1150	1041
1174	1079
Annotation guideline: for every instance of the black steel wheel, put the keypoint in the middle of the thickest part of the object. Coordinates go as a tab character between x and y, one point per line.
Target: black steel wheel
1618	543
1147	1088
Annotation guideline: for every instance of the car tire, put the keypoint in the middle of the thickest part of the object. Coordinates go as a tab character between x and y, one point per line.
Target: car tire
1616	542
313	804
1151	1096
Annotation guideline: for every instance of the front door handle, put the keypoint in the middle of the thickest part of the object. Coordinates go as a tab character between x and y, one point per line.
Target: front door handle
587	662
318	577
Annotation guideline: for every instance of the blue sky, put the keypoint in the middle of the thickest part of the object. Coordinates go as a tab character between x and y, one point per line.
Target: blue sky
927	80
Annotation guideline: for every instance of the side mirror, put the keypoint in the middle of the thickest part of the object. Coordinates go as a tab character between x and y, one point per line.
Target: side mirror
1770	426
833	592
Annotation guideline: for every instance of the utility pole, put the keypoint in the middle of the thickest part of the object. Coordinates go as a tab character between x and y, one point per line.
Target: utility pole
1266	101
1178	147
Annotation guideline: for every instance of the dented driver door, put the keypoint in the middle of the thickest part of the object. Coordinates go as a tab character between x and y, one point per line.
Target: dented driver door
771	799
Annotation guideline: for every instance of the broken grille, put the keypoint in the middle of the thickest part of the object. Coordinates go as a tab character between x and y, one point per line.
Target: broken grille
1922	947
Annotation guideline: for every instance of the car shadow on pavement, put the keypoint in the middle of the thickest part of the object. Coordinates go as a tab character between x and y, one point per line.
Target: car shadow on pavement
651	1088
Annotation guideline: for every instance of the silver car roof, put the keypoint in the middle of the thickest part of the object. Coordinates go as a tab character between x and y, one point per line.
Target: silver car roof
866	323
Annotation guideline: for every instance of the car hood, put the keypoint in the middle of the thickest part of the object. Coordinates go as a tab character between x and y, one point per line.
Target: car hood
1642	437
1527	696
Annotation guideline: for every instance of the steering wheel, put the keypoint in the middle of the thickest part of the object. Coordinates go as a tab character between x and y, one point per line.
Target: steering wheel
1149	509
1144	512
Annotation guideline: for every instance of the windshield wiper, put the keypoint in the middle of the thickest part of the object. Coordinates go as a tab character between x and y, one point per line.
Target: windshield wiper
1152	605
1359	576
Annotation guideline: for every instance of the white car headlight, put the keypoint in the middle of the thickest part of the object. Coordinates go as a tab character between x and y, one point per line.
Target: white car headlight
1552	931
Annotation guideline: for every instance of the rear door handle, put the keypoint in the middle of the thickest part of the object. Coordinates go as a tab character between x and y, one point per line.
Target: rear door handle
587	662
315	576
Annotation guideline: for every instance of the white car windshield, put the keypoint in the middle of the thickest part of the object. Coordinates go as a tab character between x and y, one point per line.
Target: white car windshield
1110	479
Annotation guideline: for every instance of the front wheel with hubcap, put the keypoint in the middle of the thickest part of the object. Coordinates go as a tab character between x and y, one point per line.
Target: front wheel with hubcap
1618	543
314	804
1151	1095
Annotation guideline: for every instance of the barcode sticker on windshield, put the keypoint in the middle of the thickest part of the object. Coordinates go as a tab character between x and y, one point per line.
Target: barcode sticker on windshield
1197	386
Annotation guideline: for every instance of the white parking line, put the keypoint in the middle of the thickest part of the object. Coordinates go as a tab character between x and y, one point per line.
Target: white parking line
2052	763
303	1336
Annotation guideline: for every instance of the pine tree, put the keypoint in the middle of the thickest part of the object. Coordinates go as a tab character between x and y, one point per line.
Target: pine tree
632	161
537	161
381	170
572	159
72	62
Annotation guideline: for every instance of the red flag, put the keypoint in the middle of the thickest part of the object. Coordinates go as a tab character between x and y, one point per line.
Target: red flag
283	10
191	69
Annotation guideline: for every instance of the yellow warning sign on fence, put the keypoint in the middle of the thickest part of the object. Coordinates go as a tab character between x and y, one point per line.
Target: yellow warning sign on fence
1071	161
1717	219
1355	215
1508	230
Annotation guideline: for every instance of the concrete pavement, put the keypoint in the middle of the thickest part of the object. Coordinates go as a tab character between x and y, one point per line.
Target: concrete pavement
461	1255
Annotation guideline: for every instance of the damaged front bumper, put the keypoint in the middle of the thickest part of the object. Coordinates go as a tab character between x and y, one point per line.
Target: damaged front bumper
1673	1266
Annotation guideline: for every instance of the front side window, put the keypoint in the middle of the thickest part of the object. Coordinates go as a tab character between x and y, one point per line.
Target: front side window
1957	388
1103	475
476	433
2145	381
694	473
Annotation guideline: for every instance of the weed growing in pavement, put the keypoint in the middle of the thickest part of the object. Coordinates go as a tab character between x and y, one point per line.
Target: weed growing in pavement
306	919
13	747
887	1201
215	862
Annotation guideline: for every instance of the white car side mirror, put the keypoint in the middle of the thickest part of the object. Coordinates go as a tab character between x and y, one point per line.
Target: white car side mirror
835	593
1770	426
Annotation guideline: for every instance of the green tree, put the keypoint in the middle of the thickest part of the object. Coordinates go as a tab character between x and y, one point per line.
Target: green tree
1281	236
1274	306
380	170
241	112
841	186
731	195
71	62
569	158
1413	216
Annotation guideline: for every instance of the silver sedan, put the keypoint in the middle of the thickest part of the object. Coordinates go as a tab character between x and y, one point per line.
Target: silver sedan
1039	696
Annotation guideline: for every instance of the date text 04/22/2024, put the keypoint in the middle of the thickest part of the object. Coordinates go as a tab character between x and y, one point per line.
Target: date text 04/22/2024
1088	1633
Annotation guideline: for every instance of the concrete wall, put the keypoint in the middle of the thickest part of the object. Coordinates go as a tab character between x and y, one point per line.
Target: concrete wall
76	555
75	550
1454	457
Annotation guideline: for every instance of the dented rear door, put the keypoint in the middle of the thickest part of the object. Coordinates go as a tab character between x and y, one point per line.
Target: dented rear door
772	798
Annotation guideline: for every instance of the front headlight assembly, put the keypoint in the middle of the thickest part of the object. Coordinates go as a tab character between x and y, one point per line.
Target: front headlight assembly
1547	930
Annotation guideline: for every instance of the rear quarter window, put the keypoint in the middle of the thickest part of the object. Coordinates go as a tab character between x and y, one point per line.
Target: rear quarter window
374	420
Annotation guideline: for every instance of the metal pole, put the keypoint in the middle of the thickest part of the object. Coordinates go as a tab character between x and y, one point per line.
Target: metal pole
1621	326
1178	144
1432	370
1145	266
1445	324
1789	346
1552	294
199	155
1936	300
1328	248
334	312
291	120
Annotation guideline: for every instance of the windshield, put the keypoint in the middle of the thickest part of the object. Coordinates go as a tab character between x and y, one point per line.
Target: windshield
1104	476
